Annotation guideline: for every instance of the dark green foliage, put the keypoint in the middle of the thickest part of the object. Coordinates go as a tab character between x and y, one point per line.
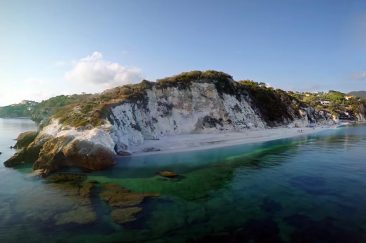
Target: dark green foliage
223	82
274	105
335	97
47	108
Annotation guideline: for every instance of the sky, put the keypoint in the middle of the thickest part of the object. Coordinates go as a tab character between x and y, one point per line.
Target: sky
49	48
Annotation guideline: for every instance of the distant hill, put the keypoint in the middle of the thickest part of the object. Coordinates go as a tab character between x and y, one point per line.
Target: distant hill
361	94
23	109
39	112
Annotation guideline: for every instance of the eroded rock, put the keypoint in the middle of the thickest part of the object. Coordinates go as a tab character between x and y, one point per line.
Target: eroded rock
27	154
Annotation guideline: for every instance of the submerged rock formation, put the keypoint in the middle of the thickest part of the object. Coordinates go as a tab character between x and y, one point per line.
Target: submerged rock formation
89	134
125	204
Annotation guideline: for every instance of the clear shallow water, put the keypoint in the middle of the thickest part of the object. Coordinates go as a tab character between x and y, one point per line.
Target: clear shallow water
306	189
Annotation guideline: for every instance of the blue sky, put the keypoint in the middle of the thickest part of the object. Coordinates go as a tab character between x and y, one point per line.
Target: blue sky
62	47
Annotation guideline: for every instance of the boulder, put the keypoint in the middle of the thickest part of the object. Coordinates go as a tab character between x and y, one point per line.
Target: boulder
88	155
51	156
61	152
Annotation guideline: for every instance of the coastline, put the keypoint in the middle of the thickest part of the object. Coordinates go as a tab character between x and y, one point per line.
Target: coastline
194	142
18	117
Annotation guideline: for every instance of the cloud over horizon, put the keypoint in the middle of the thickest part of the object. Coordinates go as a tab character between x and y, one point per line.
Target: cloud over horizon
94	69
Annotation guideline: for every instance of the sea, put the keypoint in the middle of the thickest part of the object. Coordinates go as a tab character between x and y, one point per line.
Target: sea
310	188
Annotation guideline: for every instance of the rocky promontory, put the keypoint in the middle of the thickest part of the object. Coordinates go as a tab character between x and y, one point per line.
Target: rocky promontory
90	134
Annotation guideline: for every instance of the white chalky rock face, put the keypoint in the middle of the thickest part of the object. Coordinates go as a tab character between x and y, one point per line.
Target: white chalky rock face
173	111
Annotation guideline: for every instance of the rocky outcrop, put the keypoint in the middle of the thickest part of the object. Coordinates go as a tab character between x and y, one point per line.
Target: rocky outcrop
49	153
25	138
196	102
62	152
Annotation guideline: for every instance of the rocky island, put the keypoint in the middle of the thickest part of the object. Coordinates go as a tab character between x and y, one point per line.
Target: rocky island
89	131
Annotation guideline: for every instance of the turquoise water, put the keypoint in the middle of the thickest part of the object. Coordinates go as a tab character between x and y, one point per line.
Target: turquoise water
306	189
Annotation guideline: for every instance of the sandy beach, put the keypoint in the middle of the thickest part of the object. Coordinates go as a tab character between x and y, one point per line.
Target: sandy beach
191	142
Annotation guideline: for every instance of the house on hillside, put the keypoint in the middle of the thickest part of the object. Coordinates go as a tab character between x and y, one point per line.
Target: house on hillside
348	97
324	102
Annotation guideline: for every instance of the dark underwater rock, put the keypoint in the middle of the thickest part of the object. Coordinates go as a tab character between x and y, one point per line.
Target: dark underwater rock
65	177
124	204
80	215
117	196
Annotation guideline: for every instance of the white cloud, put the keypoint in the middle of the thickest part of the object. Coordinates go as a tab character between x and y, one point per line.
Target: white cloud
359	75
94	69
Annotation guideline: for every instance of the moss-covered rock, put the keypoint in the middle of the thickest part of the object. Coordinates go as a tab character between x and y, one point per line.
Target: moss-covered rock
117	196
25	155
25	139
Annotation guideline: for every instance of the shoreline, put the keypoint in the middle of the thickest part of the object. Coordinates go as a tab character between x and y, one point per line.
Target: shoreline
195	142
